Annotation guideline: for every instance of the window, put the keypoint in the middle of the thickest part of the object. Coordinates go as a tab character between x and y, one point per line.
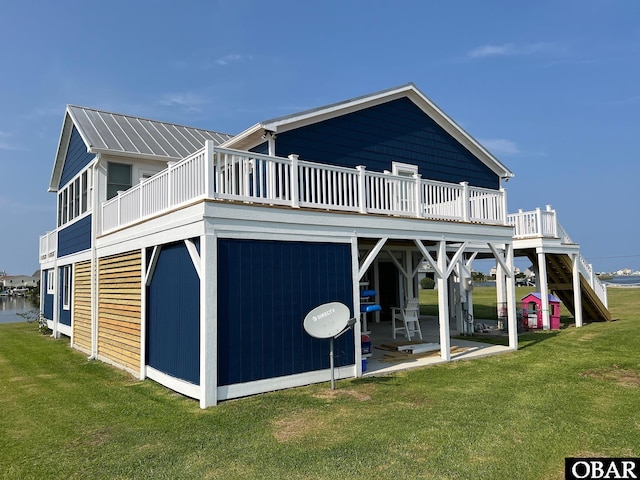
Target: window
65	205
66	287
404	169
118	178
50	281
83	195
74	199
404	198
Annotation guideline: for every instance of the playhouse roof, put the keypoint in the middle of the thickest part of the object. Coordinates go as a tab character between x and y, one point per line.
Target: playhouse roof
539	297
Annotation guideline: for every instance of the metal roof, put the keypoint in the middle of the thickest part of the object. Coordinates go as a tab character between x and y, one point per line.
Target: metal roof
113	132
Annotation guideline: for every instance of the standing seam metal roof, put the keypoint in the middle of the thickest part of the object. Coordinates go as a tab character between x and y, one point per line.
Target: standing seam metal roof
114	132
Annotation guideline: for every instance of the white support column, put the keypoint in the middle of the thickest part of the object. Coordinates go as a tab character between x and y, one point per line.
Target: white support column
501	291
208	320
512	316
408	268
357	329
577	292
56	300
544	290
143	314
443	301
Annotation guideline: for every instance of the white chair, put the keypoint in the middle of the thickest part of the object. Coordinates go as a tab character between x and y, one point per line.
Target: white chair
408	319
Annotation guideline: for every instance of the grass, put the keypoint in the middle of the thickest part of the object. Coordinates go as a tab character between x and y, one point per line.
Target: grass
518	415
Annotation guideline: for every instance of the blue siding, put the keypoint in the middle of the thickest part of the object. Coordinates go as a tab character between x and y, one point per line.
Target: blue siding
77	158
173	315
394	131
265	289
65	315
75	238
48	298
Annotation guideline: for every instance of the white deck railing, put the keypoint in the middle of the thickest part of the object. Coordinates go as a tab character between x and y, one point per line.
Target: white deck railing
48	245
544	224
217	173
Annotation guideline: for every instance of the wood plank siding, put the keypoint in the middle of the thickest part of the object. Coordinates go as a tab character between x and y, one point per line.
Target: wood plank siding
82	306
119	304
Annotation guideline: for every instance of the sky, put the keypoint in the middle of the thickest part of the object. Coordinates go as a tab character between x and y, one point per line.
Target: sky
551	88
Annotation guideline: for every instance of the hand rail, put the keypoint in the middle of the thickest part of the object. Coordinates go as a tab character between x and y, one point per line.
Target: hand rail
226	174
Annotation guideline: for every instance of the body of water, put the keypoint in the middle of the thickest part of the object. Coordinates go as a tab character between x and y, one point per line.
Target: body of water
624	280
10	307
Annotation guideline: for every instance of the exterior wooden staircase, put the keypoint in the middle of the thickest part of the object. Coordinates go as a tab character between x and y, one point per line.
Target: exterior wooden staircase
538	232
560	278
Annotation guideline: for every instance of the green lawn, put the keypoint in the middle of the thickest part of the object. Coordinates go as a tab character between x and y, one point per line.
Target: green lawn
575	392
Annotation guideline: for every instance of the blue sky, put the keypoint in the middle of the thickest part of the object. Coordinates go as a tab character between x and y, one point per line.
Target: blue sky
551	88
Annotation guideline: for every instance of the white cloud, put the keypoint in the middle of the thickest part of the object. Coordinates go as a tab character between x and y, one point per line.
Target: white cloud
5	144
512	49
189	101
231	58
500	146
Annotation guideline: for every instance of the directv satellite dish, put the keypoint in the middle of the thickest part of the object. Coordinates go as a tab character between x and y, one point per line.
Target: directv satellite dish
329	320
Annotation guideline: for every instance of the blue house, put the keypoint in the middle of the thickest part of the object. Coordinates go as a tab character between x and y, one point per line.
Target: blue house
191	257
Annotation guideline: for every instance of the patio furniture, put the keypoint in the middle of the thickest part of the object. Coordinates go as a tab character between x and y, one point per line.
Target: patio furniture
407	319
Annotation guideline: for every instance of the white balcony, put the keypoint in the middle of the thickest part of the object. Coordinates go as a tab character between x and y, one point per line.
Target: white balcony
48	246
223	174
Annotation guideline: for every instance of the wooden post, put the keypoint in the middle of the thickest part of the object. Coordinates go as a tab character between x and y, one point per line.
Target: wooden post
362	185
295	184
465	201
544	289
577	293
209	185
418	195
443	301
512	316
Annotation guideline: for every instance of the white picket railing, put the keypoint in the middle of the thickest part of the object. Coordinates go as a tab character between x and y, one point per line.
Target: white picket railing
225	174
48	245
544	224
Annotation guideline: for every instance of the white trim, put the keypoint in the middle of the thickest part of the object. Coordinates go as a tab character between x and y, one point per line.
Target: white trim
185	388
371	257
143	313
66	286
195	256
152	265
401	169
280	383
209	321
51	281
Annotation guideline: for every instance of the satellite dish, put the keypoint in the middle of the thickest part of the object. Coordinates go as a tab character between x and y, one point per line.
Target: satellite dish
327	320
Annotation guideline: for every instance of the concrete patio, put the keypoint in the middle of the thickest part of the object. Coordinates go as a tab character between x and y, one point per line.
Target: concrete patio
380	363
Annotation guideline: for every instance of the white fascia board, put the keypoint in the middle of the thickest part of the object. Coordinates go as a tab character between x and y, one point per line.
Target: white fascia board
457	132
61	153
132	155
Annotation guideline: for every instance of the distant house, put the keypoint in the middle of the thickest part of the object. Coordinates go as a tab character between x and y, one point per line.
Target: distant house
19	281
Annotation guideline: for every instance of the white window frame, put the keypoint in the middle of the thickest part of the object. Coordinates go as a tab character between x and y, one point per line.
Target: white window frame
70	203
66	287
404	169
51	278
